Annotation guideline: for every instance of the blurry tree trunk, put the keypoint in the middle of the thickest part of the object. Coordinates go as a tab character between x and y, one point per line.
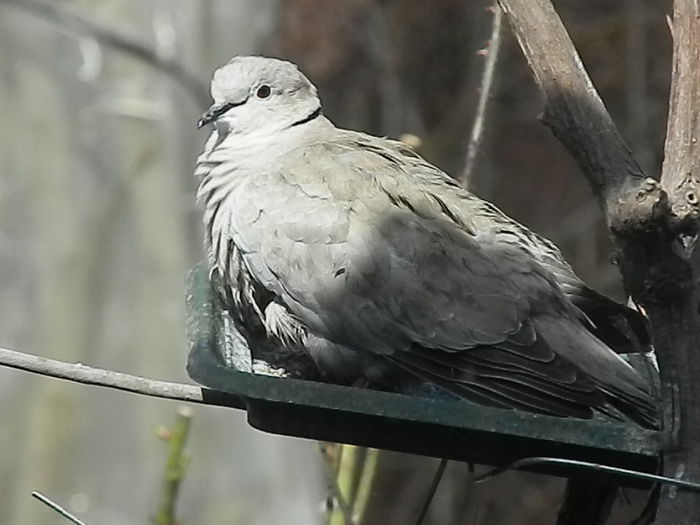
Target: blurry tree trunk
586	503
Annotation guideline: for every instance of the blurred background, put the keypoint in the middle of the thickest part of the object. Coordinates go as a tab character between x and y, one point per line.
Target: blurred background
98	226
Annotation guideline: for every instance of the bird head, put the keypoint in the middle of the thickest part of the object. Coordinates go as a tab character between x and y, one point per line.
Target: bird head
257	94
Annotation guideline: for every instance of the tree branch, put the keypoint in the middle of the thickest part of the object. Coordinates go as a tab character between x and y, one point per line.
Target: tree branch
675	317
55	506
491	52
680	177
578	118
654	225
79	373
340	510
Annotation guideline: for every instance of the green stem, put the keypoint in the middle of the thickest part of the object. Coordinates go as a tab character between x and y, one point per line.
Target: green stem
175	467
340	511
364	486
346	485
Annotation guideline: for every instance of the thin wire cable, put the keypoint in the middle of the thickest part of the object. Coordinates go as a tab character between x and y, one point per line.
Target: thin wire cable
585	465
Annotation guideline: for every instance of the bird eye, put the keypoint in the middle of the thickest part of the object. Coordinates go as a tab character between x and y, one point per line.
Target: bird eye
263	91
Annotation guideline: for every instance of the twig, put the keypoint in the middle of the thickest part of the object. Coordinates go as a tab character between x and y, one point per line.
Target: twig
492	53
364	487
577	116
680	174
175	467
191	83
431	491
55	506
345	480
79	373
331	474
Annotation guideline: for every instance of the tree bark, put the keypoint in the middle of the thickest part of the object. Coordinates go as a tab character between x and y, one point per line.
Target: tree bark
653	224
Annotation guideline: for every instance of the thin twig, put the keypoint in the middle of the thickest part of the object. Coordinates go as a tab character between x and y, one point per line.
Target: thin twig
174	69
332	482
369	469
492	53
175	467
431	491
80	373
345	481
55	506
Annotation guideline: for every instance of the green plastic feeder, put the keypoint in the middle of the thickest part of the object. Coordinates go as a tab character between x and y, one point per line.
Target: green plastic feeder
220	360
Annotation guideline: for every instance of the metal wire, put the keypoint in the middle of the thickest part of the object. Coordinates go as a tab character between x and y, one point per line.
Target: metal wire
596	467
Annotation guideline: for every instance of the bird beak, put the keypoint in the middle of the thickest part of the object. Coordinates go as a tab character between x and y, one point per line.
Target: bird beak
215	111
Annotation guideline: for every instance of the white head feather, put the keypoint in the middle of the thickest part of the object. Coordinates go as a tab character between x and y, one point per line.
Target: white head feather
259	96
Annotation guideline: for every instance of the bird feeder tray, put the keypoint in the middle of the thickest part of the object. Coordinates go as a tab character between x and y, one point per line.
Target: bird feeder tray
220	360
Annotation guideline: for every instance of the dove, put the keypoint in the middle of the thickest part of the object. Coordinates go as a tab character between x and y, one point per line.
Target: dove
385	272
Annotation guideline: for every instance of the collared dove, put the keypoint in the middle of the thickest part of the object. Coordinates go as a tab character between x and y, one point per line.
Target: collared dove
380	267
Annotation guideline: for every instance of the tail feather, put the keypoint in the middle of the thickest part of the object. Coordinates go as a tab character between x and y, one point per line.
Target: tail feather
583	376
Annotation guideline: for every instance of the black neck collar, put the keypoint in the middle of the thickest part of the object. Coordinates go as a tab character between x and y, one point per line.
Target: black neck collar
316	113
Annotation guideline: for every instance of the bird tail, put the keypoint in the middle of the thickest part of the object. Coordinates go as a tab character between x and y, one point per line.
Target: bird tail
624	388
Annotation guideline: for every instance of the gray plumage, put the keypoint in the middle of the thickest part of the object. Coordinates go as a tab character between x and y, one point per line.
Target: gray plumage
357	251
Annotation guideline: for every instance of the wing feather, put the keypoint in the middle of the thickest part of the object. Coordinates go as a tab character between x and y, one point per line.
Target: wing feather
393	264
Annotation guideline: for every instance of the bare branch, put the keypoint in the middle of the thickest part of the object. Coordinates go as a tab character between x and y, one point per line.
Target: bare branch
55	506
79	373
365	485
676	319
341	512
680	173
655	226
346	480
492	53
577	116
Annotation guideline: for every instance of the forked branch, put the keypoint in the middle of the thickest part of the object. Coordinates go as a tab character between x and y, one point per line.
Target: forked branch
654	225
577	116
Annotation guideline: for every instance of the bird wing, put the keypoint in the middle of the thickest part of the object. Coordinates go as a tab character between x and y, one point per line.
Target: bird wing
621	328
372	264
367	245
